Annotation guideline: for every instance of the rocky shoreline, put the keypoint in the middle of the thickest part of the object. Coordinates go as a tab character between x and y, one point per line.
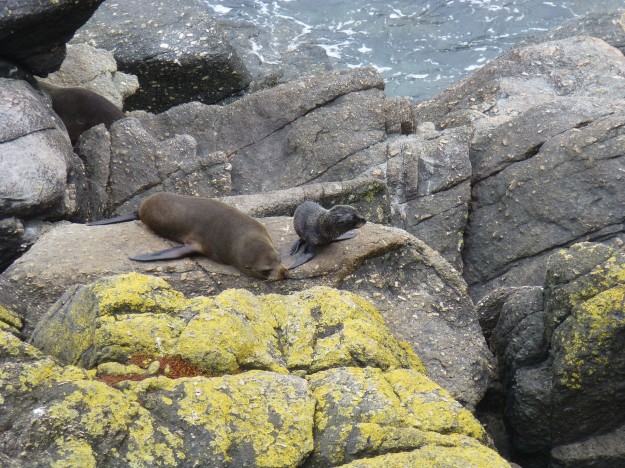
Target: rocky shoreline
486	284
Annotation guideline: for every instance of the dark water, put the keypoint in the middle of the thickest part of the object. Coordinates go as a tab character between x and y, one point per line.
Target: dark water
420	47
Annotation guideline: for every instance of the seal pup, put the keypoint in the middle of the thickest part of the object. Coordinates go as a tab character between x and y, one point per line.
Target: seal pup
317	226
208	227
80	109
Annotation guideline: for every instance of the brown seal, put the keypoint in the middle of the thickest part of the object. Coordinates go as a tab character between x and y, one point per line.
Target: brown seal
80	109
211	228
317	226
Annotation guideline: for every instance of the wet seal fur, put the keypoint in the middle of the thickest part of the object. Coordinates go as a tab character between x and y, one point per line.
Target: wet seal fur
80	109
208	227
317	226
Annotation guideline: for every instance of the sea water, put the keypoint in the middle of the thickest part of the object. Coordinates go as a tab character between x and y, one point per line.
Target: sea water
419	46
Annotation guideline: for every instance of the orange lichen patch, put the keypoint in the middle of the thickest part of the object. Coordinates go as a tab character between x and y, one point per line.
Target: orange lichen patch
168	366
112	380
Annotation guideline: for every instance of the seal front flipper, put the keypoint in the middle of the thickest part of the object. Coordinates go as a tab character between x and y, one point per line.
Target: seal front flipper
117	219
168	254
307	255
296	245
345	236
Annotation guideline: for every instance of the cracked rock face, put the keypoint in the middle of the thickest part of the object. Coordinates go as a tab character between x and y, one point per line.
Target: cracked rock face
546	152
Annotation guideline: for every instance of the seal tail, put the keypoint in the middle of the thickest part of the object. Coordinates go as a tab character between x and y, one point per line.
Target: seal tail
117	219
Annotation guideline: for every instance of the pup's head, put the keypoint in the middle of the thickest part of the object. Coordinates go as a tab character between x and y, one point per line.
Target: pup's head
346	217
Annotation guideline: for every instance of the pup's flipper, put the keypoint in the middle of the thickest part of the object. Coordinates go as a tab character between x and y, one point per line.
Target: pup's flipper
301	259
307	254
345	236
296	245
168	254
117	219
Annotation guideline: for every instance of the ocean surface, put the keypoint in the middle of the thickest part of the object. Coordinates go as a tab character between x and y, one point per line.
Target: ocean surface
419	46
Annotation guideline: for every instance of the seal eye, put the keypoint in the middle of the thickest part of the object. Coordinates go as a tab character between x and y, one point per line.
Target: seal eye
265	273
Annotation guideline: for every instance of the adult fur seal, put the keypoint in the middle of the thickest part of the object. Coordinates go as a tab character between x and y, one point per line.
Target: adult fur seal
316	226
80	109
211	228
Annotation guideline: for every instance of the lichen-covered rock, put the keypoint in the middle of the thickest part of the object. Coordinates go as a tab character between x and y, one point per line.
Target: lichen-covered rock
435	456
118	318
364	412
339	372
562	363
66	418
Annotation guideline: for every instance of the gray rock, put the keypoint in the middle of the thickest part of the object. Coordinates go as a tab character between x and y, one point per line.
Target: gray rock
54	23
94	69
41	177
178	54
369	195
609	27
272	135
546	121
422	298
128	164
560	358
594	452
428	175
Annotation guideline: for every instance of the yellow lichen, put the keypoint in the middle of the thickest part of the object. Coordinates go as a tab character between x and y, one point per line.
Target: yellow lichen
10	318
590	332
136	293
74	453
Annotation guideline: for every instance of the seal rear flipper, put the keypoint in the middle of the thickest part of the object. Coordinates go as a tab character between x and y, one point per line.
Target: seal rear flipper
296	245
345	236
117	219
168	254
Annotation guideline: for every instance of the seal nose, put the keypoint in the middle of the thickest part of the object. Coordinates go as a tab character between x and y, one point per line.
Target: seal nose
280	274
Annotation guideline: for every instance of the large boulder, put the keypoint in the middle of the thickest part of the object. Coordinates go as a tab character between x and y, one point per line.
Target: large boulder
546	154
560	352
274	380
423	299
178	54
42	178
33	34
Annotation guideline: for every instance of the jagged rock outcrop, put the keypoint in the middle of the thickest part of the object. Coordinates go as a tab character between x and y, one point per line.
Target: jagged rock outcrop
178	54
276	381
560	352
422	298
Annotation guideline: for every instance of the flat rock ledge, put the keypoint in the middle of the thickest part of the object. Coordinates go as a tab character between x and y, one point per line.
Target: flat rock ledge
422	298
139	375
